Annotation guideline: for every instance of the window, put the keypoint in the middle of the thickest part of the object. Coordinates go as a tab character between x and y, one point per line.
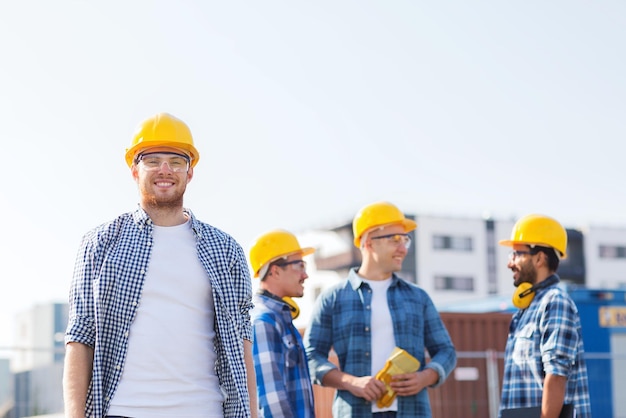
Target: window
612	251
464	284
445	242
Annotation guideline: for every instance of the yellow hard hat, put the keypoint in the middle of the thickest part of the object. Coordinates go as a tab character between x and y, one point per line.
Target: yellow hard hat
272	246
162	130
538	230
379	214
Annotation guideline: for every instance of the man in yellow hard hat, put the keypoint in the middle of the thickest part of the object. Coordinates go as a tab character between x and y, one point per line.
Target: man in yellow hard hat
364	318
159	321
544	359
283	381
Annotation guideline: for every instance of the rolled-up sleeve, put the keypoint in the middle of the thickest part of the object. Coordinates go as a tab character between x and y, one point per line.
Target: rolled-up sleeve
439	344
318	339
81	323
244	292
559	336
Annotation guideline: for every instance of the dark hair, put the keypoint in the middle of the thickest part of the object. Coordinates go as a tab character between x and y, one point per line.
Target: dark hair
273	263
553	260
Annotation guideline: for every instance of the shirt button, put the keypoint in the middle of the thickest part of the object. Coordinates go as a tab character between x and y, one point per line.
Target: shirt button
367	307
135	303
367	354
117	367
126	334
143	271
367	329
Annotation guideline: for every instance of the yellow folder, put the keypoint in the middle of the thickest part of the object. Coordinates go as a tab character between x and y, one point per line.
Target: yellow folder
399	362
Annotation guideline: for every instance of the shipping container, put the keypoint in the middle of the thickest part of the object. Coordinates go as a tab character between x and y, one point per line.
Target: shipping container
603	319
473	388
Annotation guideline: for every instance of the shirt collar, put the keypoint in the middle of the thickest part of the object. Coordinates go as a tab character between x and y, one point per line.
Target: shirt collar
142	220
274	303
356	281
549	282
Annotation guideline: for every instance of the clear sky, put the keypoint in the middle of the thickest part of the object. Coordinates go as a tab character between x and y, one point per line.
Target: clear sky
303	112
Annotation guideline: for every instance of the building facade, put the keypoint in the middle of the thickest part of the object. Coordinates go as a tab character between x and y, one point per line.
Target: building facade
37	364
459	259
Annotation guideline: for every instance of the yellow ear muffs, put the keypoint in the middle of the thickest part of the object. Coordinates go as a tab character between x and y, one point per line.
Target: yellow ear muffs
295	309
524	294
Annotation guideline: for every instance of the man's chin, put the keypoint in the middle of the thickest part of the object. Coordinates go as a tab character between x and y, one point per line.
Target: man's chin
164	203
516	283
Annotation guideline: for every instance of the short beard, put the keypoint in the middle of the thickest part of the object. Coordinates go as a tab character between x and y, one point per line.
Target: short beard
150	200
527	274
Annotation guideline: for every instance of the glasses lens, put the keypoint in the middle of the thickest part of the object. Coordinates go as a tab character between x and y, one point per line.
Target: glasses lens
397	239
401	240
154	162
516	254
298	265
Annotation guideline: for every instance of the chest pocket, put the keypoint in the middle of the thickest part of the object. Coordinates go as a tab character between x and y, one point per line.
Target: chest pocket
523	350
292	355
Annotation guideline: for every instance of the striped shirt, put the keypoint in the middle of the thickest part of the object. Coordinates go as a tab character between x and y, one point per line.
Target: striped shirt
106	289
342	318
545	338
282	375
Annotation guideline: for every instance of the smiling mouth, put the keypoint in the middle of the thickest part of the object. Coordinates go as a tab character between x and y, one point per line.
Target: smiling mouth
164	183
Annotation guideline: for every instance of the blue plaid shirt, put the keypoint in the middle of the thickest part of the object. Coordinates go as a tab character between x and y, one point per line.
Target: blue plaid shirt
545	338
110	269
283	381
341	320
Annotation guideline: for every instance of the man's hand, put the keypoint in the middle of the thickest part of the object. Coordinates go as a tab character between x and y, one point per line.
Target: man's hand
408	384
366	387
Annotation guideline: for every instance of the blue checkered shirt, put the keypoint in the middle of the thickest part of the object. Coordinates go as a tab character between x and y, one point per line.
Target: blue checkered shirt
341	320
545	338
110	269
282	375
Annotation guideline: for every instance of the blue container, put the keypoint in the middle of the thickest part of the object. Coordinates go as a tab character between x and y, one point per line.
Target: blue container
603	316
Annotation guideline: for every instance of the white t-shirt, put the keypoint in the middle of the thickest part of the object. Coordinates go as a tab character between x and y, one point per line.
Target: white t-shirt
383	339
170	363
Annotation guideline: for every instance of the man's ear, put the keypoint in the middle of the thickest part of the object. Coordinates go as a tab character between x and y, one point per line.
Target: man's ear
189	174
270	271
542	260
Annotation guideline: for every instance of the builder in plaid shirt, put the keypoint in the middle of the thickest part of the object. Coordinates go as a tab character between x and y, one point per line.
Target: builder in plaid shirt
363	318
544	360
283	381
159	322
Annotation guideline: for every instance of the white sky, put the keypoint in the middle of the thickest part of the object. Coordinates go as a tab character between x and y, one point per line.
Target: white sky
303	113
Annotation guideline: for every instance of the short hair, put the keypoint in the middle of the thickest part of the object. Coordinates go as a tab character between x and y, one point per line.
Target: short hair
263	274
551	253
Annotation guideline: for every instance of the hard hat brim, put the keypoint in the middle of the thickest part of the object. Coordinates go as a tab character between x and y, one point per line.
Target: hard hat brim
408	224
304	251
511	243
188	148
